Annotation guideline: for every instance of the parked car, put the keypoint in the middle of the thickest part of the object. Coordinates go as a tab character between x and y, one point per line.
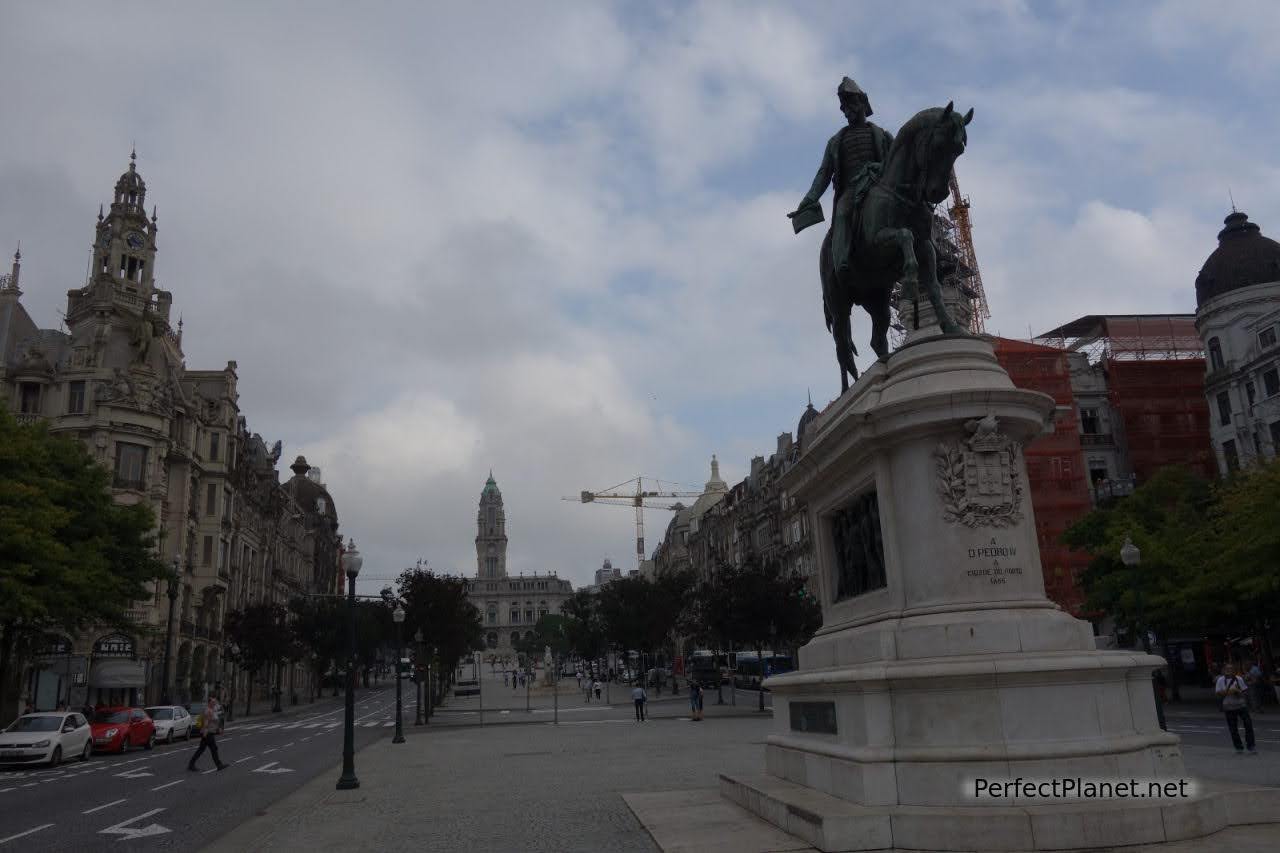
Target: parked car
195	710
172	721
117	729
46	737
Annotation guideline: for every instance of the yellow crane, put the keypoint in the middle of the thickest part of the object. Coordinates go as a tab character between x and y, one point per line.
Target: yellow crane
657	498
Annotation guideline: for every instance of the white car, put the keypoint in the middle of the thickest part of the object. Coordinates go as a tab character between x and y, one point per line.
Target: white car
46	737
172	722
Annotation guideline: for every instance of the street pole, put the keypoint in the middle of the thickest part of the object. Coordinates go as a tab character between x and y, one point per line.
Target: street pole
555	688
166	699
397	616
417	679
1131	556
275	708
351	562
733	678
528	677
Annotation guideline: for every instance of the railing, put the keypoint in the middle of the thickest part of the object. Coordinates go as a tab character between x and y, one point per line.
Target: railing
1097	439
133	485
28	418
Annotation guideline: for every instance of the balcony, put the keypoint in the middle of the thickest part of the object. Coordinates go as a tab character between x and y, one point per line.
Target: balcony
28	418
1097	439
131	485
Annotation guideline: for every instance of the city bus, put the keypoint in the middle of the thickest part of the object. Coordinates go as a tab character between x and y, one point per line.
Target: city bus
747	671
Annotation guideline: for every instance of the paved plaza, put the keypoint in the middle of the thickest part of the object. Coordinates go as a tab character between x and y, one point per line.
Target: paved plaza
573	786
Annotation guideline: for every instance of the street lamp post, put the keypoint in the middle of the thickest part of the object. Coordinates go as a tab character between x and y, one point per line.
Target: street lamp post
397	616
417	680
1131	556
351	562
168	631
234	657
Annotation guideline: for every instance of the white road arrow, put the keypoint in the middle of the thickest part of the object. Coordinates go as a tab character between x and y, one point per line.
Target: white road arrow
271	768
125	831
135	774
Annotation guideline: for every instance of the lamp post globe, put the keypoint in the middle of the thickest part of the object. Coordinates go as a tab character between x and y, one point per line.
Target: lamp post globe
397	616
351	563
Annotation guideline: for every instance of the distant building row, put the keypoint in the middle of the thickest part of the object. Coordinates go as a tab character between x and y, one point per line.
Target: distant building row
174	438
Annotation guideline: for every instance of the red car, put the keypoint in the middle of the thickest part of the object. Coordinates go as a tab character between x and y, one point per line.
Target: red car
117	729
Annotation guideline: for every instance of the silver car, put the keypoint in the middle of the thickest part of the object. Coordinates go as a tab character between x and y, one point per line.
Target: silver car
172	722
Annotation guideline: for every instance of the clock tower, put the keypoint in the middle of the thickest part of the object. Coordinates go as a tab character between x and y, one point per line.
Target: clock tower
124	246
491	533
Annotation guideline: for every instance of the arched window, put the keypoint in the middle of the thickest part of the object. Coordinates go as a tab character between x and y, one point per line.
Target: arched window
492	640
515	637
528	635
493	616
1215	354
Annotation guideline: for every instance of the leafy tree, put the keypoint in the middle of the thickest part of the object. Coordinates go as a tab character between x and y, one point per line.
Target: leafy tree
583	629
262	635
69	555
438	606
1242	581
318	627
641	614
549	631
756	606
1168	518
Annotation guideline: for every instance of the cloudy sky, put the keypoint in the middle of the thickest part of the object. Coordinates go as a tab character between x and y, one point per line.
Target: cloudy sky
550	238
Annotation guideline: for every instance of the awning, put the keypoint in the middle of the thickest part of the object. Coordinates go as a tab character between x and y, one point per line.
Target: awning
118	673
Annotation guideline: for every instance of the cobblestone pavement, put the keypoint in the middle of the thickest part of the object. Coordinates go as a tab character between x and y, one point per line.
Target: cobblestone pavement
508	788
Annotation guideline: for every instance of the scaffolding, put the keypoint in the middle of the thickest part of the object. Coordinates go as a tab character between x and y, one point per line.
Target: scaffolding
1129	337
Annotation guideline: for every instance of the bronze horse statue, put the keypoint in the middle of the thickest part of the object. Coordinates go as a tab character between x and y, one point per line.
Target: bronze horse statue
893	234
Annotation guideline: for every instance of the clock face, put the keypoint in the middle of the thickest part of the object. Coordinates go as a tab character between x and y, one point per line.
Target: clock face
136	240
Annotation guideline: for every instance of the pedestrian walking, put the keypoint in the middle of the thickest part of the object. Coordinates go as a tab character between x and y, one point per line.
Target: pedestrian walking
210	728
1233	690
595	687
695	701
640	698
1255	681
505	680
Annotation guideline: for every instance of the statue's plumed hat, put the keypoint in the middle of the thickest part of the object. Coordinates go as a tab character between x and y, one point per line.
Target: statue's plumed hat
850	89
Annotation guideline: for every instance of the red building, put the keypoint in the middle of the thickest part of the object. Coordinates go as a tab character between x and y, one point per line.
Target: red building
1058	479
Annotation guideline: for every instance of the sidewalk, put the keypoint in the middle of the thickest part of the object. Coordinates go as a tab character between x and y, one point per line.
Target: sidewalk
567	788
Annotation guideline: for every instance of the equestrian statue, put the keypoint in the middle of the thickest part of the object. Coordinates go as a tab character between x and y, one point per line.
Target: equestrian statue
882	220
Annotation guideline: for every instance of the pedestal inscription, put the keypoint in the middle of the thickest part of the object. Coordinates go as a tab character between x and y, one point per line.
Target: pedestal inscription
859	547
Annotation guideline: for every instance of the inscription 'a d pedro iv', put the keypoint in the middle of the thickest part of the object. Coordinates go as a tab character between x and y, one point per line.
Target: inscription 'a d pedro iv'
995	573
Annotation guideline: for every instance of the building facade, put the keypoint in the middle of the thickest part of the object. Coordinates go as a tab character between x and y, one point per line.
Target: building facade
1238	318
175	439
510	606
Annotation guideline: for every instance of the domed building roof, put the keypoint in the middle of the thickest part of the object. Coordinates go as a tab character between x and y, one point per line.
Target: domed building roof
490	486
712	493
307	491
1243	258
131	190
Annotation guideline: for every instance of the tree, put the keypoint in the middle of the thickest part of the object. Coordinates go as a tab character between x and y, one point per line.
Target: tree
549	631
69	555
263	636
758	606
1168	518
583	629
437	605
317	625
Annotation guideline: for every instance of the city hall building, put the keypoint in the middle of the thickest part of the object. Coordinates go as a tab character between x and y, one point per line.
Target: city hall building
509	606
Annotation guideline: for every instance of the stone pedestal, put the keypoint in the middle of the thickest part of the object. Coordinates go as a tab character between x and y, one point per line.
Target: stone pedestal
940	660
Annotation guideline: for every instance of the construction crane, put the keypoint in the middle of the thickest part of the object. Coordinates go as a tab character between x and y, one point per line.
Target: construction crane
656	499
959	212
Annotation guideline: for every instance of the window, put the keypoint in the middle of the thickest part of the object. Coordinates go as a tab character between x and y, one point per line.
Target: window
1267	337
528	616
1215	354
515	616
208	550
1231	456
1089	422
515	638
493	616
75	397
30	402
213	446
1271	382
1250	392
222	556
1224	408
211	499
1097	471
131	462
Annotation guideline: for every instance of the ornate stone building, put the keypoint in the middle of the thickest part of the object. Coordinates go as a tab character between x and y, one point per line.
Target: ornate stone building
509	606
1238	318
753	520
174	438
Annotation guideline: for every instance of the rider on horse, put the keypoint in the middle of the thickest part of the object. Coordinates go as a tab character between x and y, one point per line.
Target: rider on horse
852	162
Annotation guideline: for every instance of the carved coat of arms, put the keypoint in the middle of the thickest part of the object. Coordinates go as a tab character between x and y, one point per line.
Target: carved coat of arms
978	477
